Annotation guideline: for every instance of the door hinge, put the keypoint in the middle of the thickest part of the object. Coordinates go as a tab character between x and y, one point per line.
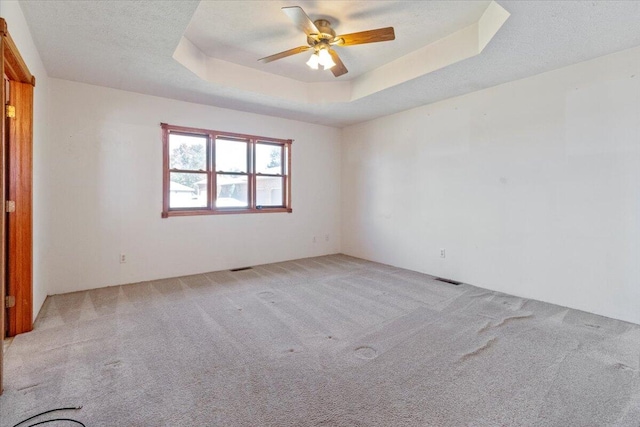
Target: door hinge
10	111
10	206
9	301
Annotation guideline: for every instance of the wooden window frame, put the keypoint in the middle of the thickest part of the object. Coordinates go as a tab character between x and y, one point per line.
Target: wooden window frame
212	173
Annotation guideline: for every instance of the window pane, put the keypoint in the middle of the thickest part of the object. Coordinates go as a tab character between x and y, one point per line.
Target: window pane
269	191
188	190
231	156
269	159
187	152
232	191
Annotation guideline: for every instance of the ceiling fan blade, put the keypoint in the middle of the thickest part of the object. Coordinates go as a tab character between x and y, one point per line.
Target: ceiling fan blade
371	36
301	19
284	54
338	69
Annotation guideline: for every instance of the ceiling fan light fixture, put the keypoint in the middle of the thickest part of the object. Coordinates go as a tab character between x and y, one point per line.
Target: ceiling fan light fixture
313	61
325	59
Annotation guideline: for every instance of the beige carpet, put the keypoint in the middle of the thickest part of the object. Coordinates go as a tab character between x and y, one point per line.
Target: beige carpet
328	341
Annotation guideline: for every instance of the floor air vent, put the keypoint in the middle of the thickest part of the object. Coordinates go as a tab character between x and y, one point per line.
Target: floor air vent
240	269
453	282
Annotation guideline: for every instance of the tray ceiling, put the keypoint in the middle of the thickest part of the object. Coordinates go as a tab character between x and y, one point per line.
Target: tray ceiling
131	46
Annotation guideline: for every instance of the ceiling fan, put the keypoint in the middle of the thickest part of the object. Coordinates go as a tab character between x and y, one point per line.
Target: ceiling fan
321	38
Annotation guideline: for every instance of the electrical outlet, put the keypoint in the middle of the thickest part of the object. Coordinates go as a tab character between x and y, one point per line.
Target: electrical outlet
314	239
443	254
123	258
326	237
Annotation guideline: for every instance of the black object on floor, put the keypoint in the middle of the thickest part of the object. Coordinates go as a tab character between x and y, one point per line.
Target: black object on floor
53	419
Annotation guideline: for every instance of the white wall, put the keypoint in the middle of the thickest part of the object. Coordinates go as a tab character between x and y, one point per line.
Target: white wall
106	192
532	187
11	12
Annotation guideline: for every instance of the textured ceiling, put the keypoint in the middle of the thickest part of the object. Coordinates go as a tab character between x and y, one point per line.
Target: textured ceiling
129	45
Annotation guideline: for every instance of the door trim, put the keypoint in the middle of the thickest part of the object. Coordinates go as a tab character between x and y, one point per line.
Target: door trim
13	66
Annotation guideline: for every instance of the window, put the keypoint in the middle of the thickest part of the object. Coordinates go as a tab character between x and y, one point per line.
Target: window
213	172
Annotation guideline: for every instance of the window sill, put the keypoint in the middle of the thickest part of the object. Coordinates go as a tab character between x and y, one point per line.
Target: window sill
196	212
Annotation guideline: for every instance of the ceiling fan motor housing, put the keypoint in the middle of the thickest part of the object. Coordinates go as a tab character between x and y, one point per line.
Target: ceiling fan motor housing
326	33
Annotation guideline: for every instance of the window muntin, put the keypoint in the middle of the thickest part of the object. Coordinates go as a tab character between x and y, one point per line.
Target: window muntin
187	190
270	161
188	165
232	155
269	158
232	172
232	190
269	191
211	172
188	152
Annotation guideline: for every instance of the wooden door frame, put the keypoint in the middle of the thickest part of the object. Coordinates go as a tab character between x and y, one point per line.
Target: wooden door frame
13	66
